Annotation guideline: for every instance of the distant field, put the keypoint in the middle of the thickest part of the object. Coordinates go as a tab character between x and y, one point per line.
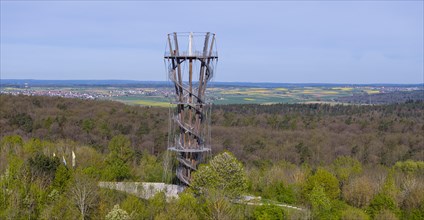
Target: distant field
245	95
143	100
156	94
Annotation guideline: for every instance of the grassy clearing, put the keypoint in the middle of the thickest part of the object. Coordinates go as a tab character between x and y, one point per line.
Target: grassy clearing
281	89
330	92
145	101
10	88
309	91
343	88
152	103
371	91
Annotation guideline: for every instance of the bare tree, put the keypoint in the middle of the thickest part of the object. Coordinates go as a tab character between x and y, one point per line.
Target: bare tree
84	194
218	205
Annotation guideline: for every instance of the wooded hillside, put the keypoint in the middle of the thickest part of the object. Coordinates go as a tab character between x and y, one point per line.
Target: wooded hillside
298	133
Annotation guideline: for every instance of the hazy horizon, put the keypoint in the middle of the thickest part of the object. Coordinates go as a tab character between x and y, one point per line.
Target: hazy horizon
214	81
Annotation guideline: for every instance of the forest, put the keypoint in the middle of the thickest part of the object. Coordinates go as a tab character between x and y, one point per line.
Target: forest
384	98
335	161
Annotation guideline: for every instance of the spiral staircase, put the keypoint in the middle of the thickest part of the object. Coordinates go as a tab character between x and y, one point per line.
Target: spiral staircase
190	127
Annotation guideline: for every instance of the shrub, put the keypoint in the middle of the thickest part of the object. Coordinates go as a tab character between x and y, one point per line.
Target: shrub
117	214
354	213
359	192
268	212
382	202
281	193
326	180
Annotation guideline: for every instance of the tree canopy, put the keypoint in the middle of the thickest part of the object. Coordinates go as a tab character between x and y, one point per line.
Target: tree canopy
224	172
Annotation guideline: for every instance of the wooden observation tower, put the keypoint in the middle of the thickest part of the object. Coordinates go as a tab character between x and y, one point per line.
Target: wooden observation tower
190	59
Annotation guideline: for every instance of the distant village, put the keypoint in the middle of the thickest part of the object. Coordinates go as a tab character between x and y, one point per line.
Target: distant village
101	93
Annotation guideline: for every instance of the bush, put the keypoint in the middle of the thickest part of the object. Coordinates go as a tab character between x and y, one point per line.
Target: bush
354	213
326	180
61	179
321	204
415	214
135	207
268	212
386	215
151	168
382	202
281	193
120	153
359	192
23	121
344	167
116	170
43	166
117	214
409	166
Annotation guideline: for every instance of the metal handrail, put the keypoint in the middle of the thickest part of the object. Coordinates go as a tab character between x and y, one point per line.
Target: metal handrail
193	54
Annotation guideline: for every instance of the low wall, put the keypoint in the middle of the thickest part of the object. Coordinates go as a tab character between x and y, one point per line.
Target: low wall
143	189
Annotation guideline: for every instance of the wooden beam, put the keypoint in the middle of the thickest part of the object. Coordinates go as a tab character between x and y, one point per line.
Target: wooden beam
190	82
180	81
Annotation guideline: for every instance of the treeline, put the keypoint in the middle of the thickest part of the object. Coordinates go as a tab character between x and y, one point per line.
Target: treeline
384	98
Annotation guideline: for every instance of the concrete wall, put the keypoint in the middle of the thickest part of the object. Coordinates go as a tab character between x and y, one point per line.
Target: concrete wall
143	189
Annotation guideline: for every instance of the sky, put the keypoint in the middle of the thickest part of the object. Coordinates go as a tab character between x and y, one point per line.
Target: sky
273	41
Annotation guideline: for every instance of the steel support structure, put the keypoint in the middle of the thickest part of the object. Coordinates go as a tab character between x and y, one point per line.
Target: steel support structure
190	59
